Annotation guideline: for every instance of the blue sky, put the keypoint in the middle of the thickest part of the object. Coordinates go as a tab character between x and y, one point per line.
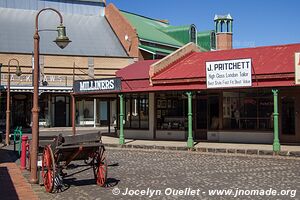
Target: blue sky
256	22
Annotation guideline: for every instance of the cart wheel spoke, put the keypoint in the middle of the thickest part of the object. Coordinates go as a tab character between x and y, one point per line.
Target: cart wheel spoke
48	168
100	167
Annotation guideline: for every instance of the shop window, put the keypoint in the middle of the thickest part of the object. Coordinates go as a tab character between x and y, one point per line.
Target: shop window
2	111
136	112
85	112
171	111
44	118
243	110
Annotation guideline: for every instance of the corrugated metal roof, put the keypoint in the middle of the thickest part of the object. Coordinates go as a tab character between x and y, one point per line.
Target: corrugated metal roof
274	64
90	35
89	7
135	71
149	29
204	40
265	60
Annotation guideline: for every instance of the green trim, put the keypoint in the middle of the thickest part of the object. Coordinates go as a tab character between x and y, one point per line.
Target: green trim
155	50
121	139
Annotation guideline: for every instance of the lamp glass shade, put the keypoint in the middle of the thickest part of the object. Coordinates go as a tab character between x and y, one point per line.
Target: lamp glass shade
62	40
18	71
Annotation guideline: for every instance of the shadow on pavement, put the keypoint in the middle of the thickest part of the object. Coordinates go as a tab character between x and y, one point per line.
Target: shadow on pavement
111	182
7	155
7	188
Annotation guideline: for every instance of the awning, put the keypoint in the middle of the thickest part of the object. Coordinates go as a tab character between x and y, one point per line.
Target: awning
42	89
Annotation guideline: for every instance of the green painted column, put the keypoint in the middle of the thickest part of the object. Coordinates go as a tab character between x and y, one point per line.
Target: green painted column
276	144
121	139
190	142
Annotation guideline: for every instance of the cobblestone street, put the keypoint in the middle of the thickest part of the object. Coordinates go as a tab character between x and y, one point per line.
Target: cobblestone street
159	170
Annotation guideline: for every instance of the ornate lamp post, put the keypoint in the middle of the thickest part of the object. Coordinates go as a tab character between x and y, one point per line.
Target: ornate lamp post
18	73
62	41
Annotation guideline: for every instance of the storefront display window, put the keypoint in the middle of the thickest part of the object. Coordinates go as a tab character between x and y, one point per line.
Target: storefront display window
44	118
171	111
247	110
85	112
136	112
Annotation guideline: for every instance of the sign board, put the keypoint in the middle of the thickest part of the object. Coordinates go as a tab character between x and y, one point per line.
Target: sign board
297	68
97	85
229	73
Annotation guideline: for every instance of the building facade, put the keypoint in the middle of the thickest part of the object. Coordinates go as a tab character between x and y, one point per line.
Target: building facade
95	52
234	95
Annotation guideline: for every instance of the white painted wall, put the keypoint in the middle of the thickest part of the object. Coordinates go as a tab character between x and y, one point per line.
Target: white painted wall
240	137
170	135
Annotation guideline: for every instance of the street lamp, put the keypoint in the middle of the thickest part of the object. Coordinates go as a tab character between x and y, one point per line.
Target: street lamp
62	41
18	73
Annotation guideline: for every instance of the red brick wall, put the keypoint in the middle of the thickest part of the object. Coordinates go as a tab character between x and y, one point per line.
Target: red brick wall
224	41
122	27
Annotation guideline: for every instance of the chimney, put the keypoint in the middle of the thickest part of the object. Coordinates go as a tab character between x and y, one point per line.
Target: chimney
223	28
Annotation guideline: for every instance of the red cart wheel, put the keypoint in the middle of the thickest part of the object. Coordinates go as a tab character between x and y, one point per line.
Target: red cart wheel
48	169
100	167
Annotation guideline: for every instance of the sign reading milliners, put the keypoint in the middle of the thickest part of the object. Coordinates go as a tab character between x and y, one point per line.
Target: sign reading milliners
229	73
97	85
297	68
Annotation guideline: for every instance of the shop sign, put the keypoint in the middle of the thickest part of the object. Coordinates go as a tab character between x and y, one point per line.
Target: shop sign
297	68
229	73
97	85
28	78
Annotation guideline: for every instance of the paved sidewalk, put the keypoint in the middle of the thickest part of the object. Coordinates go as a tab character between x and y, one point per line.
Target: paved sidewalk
12	183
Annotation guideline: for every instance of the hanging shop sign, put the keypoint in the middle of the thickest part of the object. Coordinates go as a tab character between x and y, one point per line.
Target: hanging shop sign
297	68
229	73
97	85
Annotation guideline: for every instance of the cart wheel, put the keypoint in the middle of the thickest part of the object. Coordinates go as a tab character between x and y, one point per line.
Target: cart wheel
48	169
100	167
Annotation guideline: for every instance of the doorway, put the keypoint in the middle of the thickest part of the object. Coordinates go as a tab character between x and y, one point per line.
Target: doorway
104	113
60	111
288	116
20	107
201	119
213	112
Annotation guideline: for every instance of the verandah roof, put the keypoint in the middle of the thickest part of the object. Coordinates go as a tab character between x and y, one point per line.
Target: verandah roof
273	66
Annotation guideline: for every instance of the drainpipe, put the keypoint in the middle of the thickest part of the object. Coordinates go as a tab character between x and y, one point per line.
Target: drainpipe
276	144
190	141
121	139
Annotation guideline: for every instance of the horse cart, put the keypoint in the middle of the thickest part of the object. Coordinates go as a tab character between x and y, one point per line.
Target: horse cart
58	154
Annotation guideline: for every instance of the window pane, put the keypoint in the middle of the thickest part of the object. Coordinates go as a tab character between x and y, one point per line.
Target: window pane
144	115
170	111
135	113
127	113
247	110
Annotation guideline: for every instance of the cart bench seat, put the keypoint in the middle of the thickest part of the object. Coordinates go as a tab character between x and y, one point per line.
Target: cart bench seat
79	145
